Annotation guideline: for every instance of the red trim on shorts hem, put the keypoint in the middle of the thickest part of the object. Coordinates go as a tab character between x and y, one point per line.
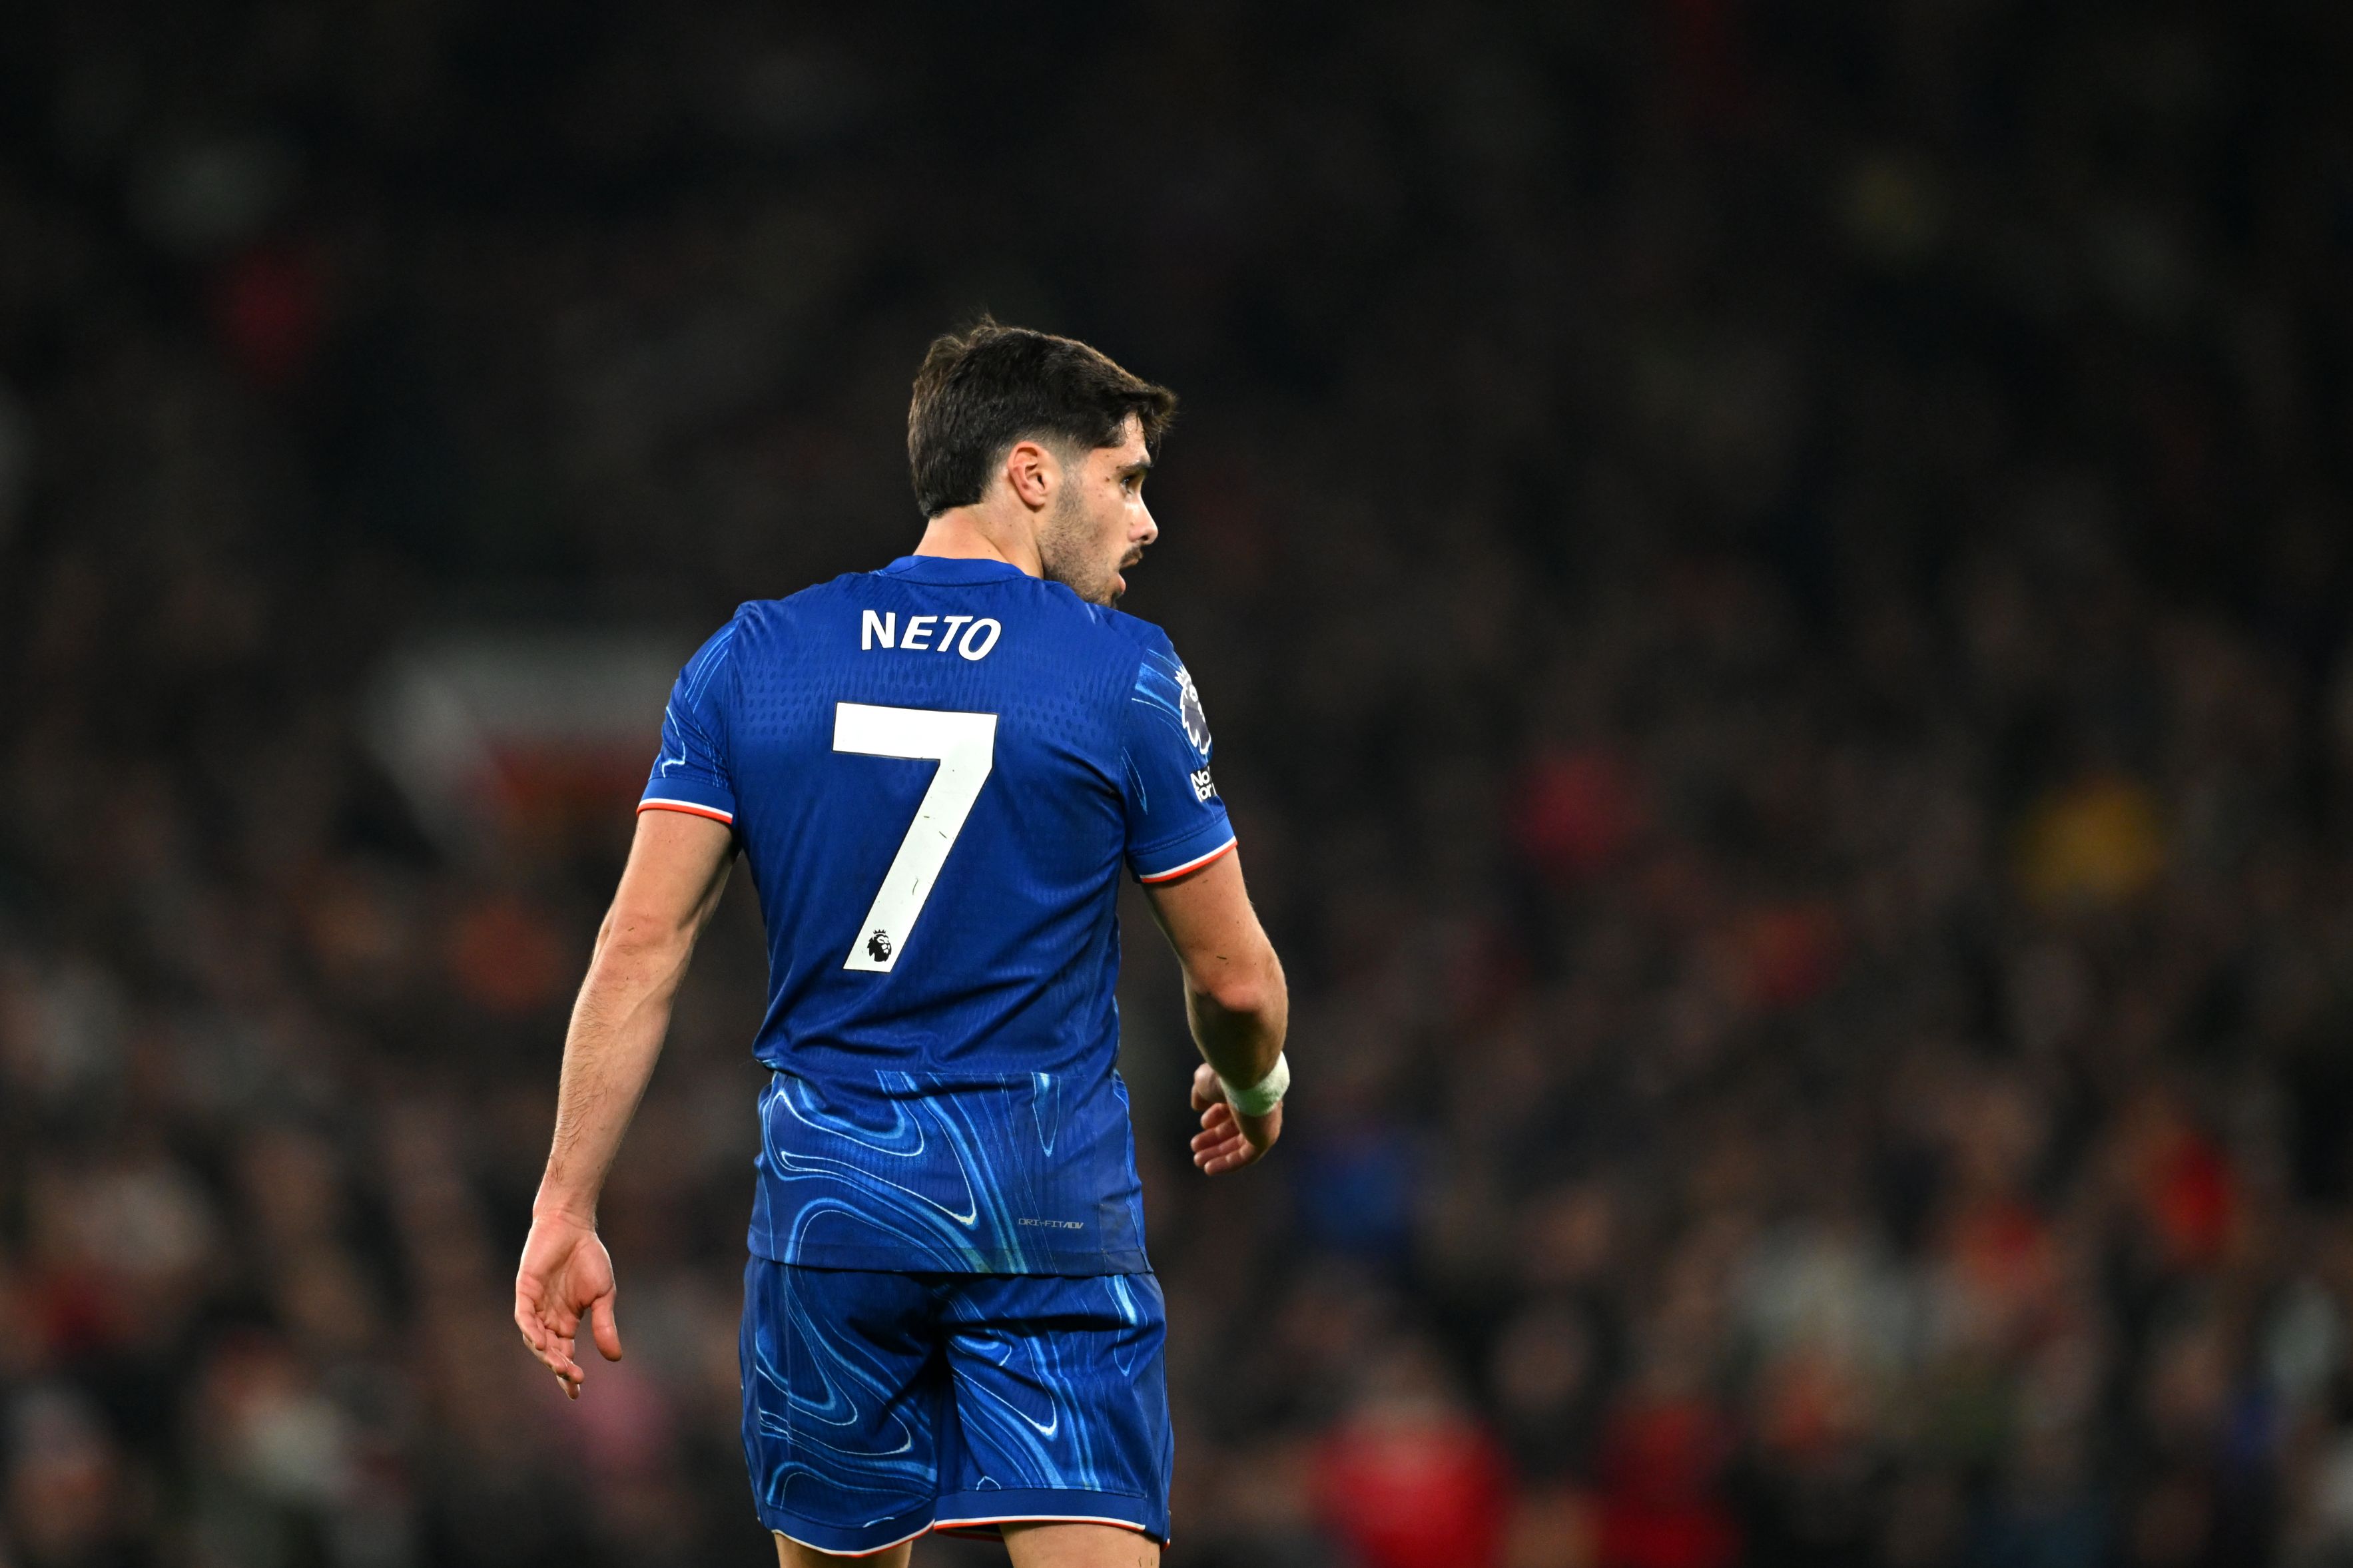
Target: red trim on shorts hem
1036	1518
867	1551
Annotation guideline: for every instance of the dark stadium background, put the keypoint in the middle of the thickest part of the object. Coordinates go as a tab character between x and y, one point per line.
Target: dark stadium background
1771	577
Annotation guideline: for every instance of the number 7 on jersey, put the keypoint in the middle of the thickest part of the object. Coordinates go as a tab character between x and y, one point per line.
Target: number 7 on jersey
965	747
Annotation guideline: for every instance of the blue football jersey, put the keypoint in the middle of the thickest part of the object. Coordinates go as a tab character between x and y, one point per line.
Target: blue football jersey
936	773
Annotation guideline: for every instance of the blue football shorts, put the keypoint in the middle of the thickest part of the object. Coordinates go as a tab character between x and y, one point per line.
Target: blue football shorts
877	1406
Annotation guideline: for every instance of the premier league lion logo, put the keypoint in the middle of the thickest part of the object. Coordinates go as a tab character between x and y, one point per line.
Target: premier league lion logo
1188	708
878	947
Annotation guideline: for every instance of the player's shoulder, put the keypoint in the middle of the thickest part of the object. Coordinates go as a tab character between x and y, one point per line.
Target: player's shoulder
760	630
1135	632
766	619
1127	651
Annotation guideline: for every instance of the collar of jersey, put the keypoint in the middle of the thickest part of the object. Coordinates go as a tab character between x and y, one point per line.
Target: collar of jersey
951	569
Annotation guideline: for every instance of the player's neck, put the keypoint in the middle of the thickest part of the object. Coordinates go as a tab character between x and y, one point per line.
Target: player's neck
973	533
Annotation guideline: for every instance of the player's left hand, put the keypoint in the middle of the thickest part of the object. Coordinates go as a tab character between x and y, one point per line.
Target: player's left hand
565	1272
1227	1140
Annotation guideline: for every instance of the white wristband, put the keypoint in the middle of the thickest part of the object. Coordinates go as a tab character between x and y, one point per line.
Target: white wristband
1263	1096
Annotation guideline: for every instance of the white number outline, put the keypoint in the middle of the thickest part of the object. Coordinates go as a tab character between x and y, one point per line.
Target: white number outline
965	745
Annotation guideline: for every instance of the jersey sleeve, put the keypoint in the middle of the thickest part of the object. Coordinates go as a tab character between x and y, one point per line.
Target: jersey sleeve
1175	821
691	774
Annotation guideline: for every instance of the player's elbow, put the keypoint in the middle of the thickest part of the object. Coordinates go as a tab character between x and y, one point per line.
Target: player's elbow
1252	1001
637	940
1252	989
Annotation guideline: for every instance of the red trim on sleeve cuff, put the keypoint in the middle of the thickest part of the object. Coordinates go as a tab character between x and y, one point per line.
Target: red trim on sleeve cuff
1193	865
687	806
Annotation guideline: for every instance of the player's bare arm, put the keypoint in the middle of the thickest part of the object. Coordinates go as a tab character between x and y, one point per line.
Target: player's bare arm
677	868
1235	998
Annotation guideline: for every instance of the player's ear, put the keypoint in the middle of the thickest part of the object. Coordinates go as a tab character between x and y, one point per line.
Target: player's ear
1032	472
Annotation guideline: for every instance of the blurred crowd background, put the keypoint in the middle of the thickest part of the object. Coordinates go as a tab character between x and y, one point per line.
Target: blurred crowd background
1771	576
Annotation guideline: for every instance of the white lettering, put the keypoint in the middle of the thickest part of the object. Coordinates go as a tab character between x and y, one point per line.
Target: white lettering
918	627
972	631
885	627
947	633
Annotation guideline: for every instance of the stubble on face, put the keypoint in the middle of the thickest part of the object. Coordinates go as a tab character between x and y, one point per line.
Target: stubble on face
1072	550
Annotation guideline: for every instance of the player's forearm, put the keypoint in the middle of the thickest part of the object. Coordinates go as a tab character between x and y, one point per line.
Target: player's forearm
617	1027
1239	1026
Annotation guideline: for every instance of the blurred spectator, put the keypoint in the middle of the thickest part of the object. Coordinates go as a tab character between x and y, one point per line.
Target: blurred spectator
1408	1476
69	1503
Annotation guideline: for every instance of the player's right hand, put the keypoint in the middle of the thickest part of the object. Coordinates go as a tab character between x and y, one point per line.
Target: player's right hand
1227	1140
565	1273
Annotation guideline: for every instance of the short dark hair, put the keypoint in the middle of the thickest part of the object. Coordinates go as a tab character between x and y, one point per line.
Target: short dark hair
987	387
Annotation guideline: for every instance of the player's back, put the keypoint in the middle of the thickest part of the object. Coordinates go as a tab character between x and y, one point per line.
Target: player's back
936	772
